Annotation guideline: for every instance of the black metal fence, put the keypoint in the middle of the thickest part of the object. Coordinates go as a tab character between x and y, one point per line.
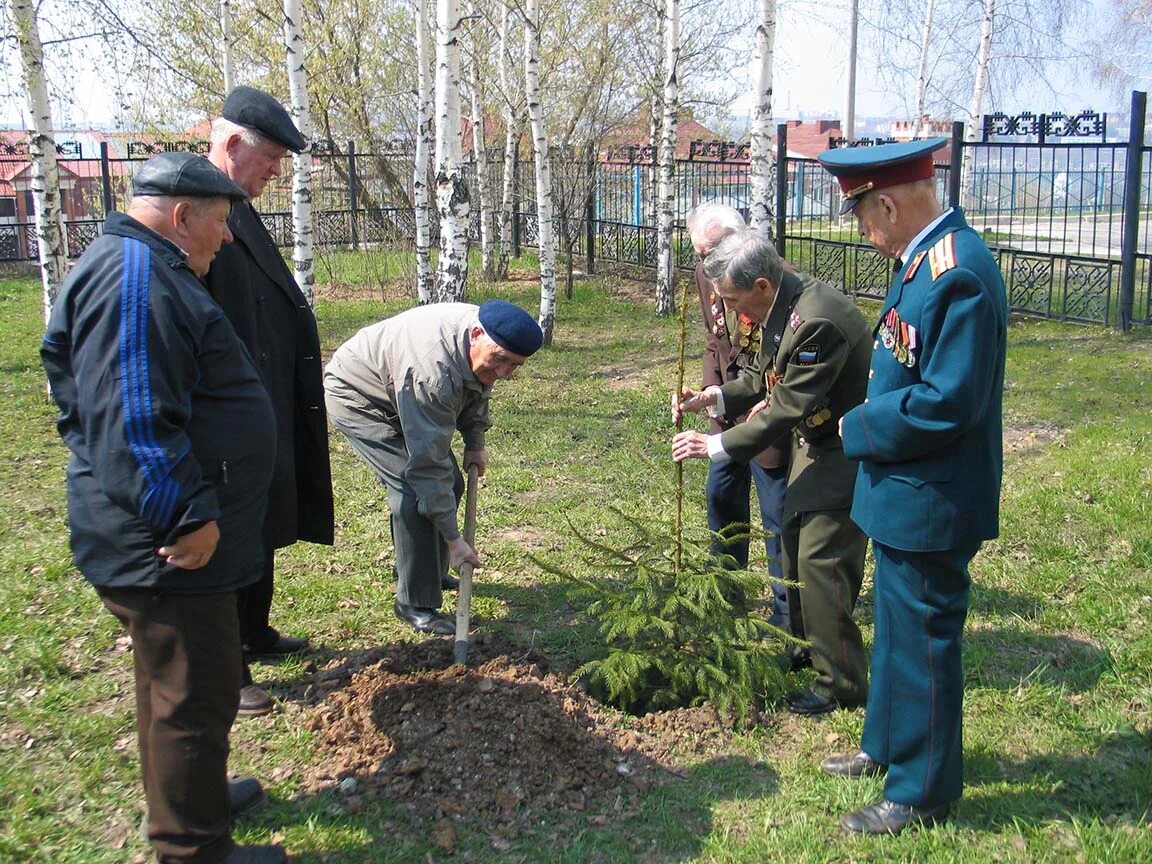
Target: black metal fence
1069	220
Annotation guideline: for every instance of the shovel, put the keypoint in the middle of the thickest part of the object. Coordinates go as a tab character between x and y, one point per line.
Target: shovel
464	593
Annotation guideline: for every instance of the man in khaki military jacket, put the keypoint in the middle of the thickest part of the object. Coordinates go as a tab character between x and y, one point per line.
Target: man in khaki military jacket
812	367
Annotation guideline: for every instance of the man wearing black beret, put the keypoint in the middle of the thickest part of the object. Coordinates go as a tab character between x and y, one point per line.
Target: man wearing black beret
168	426
254	286
399	390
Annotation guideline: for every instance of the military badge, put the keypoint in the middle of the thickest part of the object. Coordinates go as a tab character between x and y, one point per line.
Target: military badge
818	417
794	320
719	326
808	355
911	274
942	256
749	335
899	337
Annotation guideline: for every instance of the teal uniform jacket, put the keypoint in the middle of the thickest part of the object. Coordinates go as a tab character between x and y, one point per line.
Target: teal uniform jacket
929	437
929	443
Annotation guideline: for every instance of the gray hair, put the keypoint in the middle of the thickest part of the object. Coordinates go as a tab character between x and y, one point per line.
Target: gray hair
223	129
712	221
744	256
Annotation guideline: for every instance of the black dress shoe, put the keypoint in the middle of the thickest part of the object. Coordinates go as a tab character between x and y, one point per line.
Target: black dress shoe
858	764
810	703
888	817
244	794
276	645
254	701
448	582
425	620
256	855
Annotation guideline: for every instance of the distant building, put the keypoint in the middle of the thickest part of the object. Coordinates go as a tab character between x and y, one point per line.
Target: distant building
902	130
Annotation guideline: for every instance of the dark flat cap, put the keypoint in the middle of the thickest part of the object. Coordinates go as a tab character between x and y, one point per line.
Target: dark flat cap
184	174
511	327
260	112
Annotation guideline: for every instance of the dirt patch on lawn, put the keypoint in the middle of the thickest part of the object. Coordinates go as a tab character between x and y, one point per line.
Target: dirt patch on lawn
498	743
1019	439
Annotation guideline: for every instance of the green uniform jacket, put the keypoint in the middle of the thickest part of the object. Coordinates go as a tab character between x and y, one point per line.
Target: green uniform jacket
813	359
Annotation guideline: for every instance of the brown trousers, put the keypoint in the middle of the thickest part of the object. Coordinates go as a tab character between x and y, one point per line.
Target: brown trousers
186	651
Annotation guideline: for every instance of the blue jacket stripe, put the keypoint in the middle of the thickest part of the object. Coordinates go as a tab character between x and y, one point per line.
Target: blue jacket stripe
158	502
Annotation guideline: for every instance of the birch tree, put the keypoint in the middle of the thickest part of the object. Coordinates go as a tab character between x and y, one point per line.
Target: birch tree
665	291
452	204
479	154
545	237
42	151
511	127
229	67
424	133
979	88
303	264
922	71
760	155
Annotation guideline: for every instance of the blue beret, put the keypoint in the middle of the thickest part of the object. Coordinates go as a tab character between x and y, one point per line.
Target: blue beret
861	169
260	112
184	174
511	327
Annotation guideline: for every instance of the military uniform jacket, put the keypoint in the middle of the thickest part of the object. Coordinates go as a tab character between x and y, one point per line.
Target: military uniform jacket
168	423
929	438
253	285
813	366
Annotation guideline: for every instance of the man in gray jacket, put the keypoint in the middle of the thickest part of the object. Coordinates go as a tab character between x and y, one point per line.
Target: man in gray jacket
398	391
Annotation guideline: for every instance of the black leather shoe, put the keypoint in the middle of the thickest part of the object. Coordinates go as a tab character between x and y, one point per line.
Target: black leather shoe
254	701
244	794
888	817
425	620
448	582
276	645
810	703
257	855
858	764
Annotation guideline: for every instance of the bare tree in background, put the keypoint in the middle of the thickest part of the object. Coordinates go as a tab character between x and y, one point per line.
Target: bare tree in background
424	141
509	109
1121	48
42	150
229	67
665	270
760	169
478	44
545	239
452	205
303	264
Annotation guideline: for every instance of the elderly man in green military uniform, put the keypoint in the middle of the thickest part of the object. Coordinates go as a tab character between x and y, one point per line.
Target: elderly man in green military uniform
812	367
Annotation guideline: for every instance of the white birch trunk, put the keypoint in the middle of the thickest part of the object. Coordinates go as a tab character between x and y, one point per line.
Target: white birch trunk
979	88
510	128
303	265
761	156
665	293
655	110
545	236
849	131
42	151
922	75
424	138
229	69
451	187
479	154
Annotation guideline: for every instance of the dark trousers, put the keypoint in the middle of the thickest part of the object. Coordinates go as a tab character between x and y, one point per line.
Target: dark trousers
915	708
255	605
727	490
186	653
824	553
421	550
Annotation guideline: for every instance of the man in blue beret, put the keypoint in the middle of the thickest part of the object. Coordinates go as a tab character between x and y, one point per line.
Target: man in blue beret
168	425
258	293
929	442
399	390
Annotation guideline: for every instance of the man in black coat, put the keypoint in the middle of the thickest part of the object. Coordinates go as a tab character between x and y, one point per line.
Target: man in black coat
169	429
254	286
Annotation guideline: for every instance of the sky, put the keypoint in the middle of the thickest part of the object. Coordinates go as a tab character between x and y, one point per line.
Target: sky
810	75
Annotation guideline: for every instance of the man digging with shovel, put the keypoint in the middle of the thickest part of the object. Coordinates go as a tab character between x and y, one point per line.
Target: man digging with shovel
399	390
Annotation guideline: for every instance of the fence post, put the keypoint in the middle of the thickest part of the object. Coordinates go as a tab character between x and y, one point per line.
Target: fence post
782	185
353	192
590	214
106	180
1134	165
516	200
956	166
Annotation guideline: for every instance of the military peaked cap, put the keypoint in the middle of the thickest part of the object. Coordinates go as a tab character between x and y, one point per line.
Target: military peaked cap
859	170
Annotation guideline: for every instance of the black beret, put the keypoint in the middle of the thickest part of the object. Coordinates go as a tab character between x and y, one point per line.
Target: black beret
259	111
184	174
511	327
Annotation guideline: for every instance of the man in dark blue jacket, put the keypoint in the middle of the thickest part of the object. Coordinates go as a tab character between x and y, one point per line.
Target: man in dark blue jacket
170	431
929	442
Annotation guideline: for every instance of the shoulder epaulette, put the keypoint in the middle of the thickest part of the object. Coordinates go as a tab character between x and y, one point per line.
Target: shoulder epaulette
942	256
915	265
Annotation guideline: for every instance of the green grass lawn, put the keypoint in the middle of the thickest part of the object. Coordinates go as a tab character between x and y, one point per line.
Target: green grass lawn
1058	646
